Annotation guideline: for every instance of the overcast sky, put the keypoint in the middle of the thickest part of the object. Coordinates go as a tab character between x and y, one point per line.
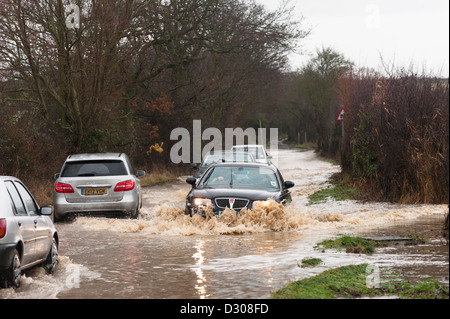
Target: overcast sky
402	31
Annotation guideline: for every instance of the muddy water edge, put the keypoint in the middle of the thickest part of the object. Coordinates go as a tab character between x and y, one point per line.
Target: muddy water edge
165	254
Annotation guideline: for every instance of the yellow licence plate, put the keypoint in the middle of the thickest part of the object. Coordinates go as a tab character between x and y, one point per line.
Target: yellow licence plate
93	191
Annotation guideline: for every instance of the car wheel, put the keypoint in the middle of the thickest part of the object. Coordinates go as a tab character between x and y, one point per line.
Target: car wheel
52	258
135	215
11	276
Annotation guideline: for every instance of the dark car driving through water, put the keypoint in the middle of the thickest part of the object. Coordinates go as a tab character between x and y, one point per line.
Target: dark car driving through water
236	186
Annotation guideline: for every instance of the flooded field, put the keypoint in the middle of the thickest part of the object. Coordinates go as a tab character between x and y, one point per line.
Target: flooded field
165	254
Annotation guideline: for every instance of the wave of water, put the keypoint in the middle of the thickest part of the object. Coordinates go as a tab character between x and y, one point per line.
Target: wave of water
35	283
166	219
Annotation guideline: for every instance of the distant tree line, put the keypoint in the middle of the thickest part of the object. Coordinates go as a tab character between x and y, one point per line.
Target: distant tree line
395	144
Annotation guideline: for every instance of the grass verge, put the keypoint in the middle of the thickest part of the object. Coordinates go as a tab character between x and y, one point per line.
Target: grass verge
154	178
351	281
310	262
340	189
351	244
308	146
162	174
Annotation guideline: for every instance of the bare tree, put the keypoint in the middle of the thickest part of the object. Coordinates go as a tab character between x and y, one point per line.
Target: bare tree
92	83
75	76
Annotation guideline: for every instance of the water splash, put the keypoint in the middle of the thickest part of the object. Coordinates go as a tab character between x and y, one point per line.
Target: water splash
35	283
168	219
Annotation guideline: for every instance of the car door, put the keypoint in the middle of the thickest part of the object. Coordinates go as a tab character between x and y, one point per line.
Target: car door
42	229
24	222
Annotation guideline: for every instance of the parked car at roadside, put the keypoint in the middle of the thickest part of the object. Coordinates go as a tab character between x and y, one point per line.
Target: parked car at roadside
222	156
28	236
99	183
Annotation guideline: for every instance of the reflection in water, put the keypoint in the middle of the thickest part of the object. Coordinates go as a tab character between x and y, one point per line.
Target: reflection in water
199	261
269	275
129	267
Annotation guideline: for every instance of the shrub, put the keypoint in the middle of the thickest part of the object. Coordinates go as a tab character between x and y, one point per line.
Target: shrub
396	140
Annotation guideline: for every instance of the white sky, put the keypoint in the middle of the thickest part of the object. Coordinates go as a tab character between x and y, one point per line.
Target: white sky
402	31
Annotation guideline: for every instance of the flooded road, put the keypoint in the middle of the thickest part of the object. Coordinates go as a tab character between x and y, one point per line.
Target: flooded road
165	254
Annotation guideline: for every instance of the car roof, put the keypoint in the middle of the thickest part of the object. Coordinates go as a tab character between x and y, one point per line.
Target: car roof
3	177
95	156
249	145
227	152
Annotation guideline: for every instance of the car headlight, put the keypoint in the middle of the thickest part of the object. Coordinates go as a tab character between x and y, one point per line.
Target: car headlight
201	201
261	204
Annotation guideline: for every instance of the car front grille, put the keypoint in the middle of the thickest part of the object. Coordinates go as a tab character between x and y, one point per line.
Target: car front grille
239	203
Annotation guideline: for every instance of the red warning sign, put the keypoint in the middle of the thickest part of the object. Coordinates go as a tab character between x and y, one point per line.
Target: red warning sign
341	115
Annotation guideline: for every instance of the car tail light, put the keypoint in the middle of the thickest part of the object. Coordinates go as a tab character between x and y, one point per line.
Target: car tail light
124	186
2	228
63	188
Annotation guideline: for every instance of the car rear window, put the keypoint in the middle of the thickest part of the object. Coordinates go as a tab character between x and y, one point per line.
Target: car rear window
257	152
94	168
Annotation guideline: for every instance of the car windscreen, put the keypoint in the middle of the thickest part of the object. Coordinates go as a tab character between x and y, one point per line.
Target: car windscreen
94	168
240	177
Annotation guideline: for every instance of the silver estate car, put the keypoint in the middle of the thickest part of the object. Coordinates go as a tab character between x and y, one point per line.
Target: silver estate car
100	183
27	234
258	151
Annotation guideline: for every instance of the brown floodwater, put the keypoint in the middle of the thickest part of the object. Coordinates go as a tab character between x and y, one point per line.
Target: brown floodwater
165	254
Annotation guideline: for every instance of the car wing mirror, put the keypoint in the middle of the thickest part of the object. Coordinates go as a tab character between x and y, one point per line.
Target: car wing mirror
289	184
46	210
191	180
140	173
56	176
